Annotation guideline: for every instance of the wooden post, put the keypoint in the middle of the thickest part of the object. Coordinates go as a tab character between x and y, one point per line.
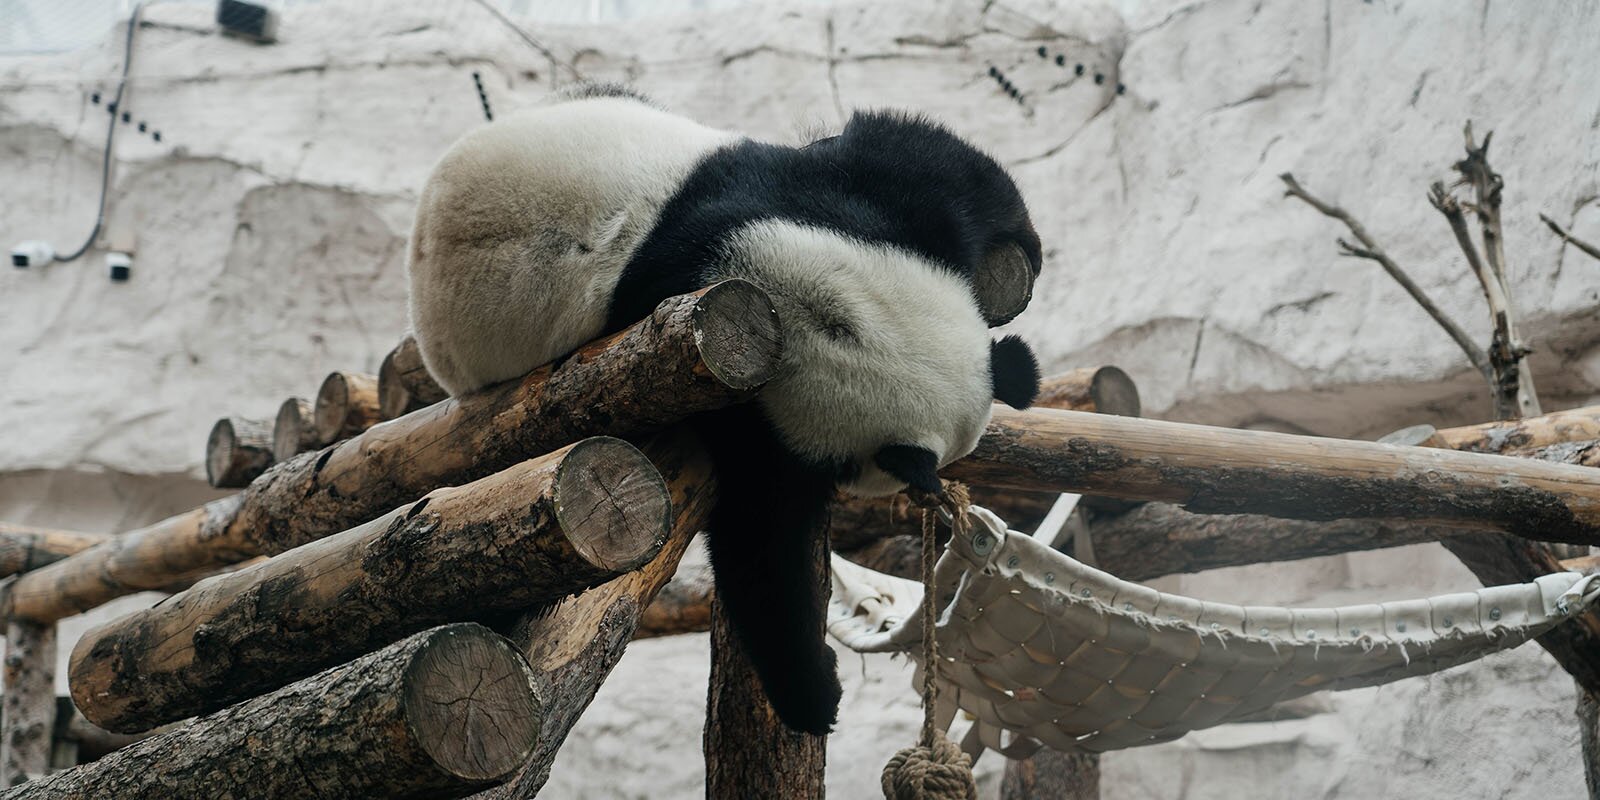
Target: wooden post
520	539
574	646
30	702
24	547
748	751
237	450
1226	471
347	404
404	384
1049	775
695	353
293	430
436	715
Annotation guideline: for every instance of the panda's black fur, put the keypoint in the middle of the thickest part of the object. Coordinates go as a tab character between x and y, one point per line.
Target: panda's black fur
891	192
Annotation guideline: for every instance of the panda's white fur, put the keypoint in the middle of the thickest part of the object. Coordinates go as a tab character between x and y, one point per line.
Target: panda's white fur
526	224
879	348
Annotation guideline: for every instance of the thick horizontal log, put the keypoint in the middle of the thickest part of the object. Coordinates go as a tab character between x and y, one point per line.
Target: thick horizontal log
440	714
1521	434
404	384
293	430
347	404
574	646
237	450
1225	471
24	547
523	538
695	353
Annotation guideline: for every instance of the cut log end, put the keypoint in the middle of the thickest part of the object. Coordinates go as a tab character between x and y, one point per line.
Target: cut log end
612	503
1102	390
347	404
237	450
469	700
737	333
293	432
393	399
1004	285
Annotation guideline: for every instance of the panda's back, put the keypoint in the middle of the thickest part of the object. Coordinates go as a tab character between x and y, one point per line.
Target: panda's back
526	224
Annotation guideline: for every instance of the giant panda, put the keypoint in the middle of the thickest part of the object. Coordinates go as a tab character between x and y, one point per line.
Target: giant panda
544	230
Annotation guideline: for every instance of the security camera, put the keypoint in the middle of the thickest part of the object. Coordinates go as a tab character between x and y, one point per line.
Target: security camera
119	266
32	254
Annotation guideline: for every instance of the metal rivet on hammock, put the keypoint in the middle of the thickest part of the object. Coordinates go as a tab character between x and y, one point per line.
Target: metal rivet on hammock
1400	626
1311	634
982	543
1265	632
1049	577
1216	626
1449	623
1494	613
1013	561
1085	593
1127	607
1355	631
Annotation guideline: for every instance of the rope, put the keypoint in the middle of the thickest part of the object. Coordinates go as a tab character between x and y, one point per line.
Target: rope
936	769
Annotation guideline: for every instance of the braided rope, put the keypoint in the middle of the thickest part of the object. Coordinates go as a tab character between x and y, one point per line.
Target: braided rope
936	769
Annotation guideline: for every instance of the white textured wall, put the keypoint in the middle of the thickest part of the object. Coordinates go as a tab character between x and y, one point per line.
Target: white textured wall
270	225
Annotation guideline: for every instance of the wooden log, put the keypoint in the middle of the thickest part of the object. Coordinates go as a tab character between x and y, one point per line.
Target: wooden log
574	646
404	384
1049	775
1102	390
24	547
695	353
347	404
30	702
1520	434
1588	712
523	538
237	450
1226	471
682	606
438	714
293	431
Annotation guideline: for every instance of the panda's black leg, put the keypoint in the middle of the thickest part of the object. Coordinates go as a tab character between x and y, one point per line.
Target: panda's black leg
766	534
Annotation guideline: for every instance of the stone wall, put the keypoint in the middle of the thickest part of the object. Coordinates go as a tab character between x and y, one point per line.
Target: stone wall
269	225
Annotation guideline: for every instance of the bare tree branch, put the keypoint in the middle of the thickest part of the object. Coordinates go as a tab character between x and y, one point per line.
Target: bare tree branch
1591	250
1370	250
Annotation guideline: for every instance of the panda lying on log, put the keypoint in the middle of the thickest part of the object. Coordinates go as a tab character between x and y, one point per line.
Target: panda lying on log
540	232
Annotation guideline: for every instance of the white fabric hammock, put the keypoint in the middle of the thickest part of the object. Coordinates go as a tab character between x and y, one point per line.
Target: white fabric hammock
1043	649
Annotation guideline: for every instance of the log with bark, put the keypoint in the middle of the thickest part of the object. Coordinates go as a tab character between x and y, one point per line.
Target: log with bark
695	353
1102	390
404	384
24	547
439	714
523	538
293	430
1521	434
1051	775
237	450
347	404
30	702
574	646
1226	471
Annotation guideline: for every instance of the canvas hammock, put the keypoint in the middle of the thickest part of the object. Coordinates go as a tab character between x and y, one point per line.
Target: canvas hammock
1044	650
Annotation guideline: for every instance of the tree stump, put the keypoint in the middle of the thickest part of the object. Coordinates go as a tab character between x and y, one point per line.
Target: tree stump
404	384
237	450
440	714
347	404
293	430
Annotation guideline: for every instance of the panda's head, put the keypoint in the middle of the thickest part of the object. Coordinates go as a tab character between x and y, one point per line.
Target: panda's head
889	372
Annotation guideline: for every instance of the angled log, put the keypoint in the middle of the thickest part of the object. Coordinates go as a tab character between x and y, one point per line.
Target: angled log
682	606
574	646
347	404
24	547
404	384
293	431
439	714
1102	390
695	353
1226	471
522	538
1521	434
30	702
237	450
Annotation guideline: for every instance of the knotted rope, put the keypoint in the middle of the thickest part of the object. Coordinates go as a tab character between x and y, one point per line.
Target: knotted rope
936	769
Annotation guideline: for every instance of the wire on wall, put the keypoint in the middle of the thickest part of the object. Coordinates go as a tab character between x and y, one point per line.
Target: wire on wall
112	110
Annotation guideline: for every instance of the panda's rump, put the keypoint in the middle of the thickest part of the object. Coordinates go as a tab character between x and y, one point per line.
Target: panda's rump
526	224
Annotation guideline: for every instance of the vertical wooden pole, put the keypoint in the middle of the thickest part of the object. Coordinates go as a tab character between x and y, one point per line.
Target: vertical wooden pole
30	702
1589	735
749	752
1052	775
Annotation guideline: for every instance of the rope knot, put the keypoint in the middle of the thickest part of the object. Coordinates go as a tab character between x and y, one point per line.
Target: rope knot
939	772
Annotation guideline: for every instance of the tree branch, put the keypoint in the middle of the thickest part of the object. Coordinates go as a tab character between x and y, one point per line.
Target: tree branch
1370	250
1591	250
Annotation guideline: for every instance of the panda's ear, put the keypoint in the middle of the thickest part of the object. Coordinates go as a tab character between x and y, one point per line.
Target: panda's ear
1014	371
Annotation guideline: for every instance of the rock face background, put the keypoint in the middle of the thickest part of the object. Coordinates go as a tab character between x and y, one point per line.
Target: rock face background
269	225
